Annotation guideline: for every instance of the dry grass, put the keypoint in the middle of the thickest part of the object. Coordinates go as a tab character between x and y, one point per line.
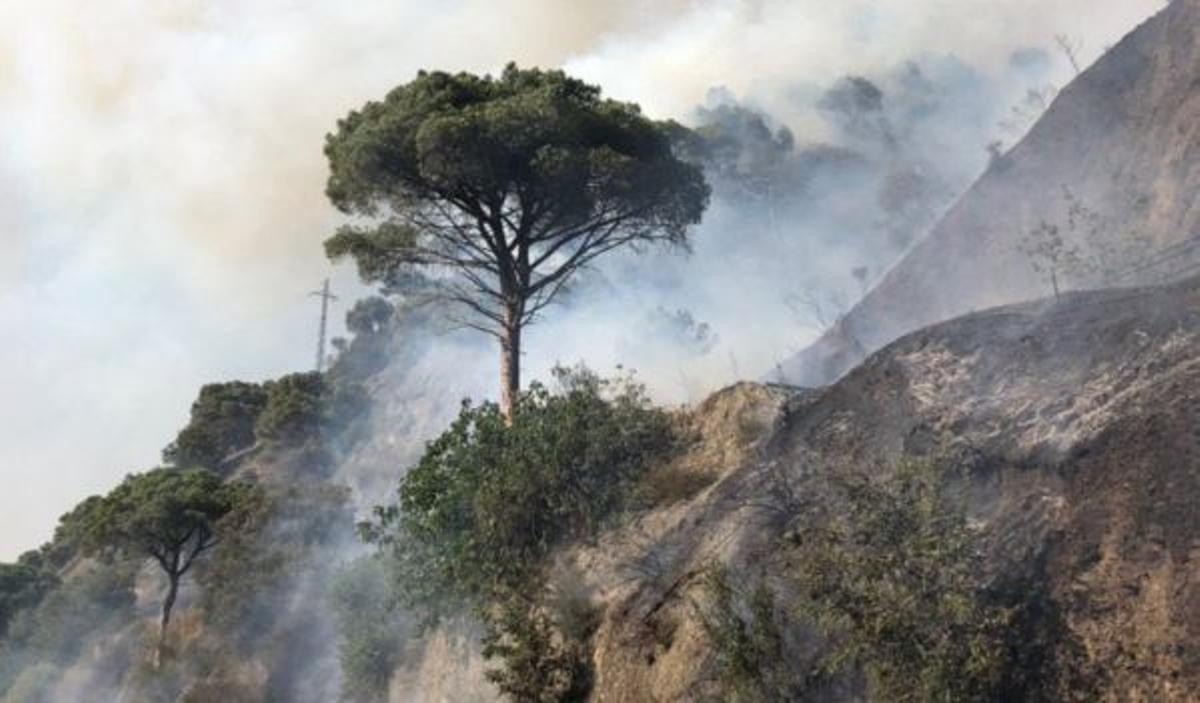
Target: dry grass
670	484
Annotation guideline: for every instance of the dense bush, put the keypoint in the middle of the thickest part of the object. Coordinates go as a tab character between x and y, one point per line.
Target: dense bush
26	584
487	501
222	423
309	416
748	632
890	572
22	586
293	410
53	633
303	413
542	647
372	323
372	633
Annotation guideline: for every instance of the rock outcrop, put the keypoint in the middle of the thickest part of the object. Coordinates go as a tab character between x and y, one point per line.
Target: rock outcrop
1074	429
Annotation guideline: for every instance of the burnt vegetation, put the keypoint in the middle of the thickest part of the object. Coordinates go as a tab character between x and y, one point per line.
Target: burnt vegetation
236	571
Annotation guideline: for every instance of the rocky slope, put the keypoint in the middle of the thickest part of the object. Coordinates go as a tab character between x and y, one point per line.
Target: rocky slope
1075	428
1123	139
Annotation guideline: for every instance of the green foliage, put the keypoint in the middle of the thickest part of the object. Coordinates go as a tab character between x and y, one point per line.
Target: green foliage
488	194
22	585
293	410
543	648
273	540
26	583
481	511
69	534
747	633
52	634
306	414
259	598
372	322
446	150
167	515
372	635
487	502
890	573
302	413
160	514
887	568
548	141
222	423
233	578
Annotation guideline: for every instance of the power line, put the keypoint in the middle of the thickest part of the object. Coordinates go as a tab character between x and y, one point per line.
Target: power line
325	297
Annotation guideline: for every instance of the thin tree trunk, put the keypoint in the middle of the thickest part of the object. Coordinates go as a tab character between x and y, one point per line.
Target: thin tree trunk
168	603
510	362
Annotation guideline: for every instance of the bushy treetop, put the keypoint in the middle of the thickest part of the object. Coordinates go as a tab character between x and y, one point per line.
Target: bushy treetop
542	136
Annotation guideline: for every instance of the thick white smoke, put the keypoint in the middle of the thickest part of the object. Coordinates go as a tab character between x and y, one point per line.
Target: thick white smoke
161	183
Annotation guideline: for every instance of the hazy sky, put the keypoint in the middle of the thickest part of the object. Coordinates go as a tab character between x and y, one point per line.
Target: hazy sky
161	176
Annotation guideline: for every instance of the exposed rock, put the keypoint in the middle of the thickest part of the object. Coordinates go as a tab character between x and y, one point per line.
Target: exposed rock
1075	426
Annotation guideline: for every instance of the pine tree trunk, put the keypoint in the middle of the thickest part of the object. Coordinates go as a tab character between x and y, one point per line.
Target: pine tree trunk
168	604
510	362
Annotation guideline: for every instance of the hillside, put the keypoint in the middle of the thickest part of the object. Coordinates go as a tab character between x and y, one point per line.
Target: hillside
979	485
1122	142
1067	428
1072	427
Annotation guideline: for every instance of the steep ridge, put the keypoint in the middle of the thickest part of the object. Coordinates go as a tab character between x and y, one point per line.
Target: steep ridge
1072	426
1123	139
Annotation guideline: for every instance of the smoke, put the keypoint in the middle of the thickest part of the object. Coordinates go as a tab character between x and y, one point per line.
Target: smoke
811	214
162	177
163	213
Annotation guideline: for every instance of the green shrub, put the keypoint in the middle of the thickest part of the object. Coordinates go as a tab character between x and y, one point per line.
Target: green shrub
543	649
293	410
747	632
890	574
98	599
221	423
888	570
308	416
371	635
487	501
22	586
299	412
481	511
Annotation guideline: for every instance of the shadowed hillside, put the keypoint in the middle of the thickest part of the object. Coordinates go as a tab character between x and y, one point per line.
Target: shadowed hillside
1114	165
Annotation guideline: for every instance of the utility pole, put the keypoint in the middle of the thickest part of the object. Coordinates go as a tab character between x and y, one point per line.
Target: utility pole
325	297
